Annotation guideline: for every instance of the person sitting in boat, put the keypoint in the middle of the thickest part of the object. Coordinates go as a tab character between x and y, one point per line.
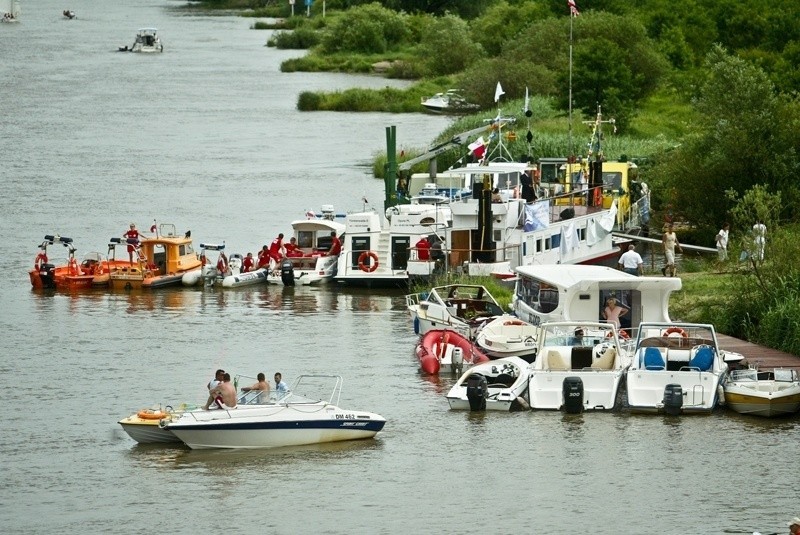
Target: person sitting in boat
281	388
292	250
223	395
247	263
263	258
260	385
132	237
336	245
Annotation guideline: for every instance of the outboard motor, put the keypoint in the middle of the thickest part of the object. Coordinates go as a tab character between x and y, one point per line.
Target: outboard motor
673	399
477	392
457	359
287	272
47	272
572	390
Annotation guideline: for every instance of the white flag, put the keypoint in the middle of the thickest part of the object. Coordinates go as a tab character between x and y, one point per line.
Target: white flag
497	92
527	101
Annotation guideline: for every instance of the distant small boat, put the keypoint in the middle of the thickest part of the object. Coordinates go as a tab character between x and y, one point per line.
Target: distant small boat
10	11
69	14
147	40
450	101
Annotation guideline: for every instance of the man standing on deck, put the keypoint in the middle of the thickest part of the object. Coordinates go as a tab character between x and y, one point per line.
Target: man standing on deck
631	262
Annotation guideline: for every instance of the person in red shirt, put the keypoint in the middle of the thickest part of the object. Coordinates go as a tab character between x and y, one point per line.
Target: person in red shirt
132	237
247	263
336	245
263	258
423	247
292	250
275	248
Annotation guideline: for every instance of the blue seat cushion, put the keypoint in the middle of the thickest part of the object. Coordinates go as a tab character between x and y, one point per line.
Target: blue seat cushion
703	358
653	359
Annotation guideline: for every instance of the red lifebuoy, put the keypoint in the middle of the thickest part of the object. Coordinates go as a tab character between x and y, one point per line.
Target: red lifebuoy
678	330
362	258
73	266
41	259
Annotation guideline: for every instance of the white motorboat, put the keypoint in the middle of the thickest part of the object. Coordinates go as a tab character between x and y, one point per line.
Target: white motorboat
296	419
143	426
147	41
547	293
209	272
763	392
677	368
497	385
450	101
508	336
309	263
579	367
69	14
457	307
236	280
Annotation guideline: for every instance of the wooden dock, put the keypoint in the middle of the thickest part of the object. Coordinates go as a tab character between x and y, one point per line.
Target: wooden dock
765	357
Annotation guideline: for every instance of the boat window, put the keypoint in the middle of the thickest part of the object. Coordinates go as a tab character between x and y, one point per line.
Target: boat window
539	296
612	180
181	250
305	239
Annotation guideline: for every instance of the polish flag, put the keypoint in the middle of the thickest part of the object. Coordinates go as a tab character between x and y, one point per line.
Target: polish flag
478	148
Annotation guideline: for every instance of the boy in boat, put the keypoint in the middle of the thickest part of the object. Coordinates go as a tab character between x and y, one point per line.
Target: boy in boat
247	263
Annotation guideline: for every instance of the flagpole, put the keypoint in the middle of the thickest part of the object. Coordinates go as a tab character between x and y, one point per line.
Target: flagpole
570	86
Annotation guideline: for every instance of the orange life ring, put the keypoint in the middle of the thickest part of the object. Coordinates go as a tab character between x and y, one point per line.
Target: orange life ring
678	330
622	333
73	266
363	257
41	259
149	414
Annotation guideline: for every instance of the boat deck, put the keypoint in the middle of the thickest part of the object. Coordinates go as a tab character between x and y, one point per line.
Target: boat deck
766	358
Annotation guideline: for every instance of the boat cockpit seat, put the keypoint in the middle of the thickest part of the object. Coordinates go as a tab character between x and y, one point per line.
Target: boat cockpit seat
652	359
702	358
603	359
555	361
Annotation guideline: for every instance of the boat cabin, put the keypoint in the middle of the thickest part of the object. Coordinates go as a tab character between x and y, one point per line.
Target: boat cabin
546	293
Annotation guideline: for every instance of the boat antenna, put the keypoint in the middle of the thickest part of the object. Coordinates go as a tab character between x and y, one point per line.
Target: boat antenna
528	113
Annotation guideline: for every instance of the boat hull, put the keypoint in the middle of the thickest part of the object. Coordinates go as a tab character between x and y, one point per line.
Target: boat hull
766	404
147	431
506	384
258	276
645	390
274	426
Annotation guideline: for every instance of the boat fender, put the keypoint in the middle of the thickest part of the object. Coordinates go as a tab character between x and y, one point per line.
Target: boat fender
41	259
416	325
362	259
678	330
73	266
572	390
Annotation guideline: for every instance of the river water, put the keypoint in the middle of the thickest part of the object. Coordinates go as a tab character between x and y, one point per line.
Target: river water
206	136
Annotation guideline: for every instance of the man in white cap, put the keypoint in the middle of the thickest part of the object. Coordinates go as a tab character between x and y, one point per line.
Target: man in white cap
794	525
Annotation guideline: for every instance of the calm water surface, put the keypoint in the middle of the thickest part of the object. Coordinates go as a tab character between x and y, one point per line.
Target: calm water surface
206	136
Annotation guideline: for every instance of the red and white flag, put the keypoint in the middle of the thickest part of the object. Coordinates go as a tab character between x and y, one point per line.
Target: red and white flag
477	148
573	9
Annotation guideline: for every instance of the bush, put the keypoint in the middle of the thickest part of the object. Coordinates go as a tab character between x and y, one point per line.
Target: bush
367	29
301	38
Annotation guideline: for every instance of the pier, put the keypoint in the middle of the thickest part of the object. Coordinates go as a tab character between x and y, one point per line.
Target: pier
764	357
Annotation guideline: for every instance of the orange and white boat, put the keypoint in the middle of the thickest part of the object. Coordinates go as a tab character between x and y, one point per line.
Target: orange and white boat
90	272
161	260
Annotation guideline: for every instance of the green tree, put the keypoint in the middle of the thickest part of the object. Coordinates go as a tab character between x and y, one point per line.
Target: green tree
367	29
447	47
